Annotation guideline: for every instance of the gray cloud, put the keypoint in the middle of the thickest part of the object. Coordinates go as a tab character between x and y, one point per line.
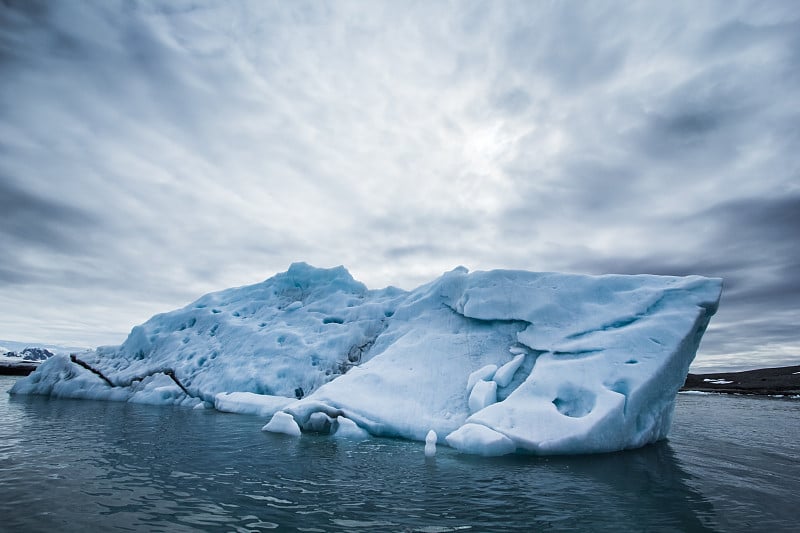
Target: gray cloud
758	238
151	152
31	220
557	43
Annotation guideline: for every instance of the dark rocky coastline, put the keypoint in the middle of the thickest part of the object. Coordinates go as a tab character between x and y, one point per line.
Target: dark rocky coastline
21	368
763	381
24	362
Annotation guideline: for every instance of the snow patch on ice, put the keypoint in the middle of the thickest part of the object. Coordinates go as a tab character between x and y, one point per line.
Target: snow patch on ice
718	381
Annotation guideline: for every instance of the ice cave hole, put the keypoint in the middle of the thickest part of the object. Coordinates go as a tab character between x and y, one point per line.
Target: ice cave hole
574	401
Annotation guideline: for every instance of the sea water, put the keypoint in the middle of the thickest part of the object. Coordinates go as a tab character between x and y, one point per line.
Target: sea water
732	463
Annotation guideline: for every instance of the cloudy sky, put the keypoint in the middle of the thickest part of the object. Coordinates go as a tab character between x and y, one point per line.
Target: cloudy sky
151	152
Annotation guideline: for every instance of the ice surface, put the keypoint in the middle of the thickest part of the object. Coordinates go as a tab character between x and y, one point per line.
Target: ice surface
249	403
480	440
483	394
347	429
505	373
59	377
319	422
484	373
497	361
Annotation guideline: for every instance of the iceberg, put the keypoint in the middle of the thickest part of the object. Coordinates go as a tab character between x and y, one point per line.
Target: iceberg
497	362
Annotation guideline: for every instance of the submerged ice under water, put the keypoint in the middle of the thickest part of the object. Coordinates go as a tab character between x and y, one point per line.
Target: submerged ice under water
731	464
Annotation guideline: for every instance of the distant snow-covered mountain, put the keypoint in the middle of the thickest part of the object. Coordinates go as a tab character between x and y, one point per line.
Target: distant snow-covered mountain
19	346
28	354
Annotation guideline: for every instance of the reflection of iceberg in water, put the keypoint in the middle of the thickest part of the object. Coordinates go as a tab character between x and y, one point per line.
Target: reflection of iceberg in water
155	467
639	490
648	486
728	467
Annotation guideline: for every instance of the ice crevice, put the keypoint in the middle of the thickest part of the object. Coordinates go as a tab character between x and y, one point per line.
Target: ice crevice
491	362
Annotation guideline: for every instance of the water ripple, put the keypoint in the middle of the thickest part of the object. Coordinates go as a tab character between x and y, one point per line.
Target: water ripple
82	465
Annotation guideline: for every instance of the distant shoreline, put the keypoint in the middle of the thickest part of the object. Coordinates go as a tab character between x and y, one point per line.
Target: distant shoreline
17	369
762	382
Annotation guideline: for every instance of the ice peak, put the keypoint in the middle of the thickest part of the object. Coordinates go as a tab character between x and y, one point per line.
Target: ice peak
303	275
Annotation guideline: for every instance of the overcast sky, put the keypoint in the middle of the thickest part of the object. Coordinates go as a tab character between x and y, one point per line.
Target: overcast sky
151	152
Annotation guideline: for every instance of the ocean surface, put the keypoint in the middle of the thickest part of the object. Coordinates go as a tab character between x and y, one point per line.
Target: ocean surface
732	463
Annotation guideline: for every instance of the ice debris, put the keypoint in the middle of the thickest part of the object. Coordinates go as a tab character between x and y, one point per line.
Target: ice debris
282	423
430	443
